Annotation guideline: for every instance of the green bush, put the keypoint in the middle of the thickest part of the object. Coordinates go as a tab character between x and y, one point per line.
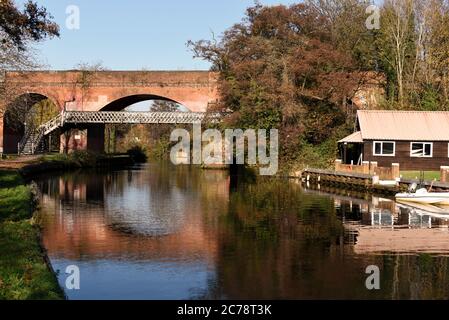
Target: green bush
137	153
83	158
160	149
74	159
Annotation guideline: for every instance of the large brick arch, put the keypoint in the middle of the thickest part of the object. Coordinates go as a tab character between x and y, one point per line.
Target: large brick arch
95	91
126	101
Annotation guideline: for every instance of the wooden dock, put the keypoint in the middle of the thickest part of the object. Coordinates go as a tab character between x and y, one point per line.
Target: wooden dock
363	182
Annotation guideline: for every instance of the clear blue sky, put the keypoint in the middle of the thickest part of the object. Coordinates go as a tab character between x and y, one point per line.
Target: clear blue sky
138	34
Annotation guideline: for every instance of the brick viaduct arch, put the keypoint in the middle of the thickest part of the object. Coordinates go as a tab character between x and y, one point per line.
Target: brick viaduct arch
113	90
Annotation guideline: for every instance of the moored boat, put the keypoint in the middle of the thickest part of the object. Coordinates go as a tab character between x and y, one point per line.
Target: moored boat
425	197
437	211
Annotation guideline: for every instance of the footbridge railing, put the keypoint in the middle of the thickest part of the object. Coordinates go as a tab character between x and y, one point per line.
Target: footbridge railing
79	117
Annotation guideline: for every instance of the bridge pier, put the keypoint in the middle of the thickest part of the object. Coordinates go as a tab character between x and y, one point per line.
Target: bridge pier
9	137
95	138
85	138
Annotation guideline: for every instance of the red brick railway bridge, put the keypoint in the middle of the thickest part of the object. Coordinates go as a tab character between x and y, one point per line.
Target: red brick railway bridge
80	94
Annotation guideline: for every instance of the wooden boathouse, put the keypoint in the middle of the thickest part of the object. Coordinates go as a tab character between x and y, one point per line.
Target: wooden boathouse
414	140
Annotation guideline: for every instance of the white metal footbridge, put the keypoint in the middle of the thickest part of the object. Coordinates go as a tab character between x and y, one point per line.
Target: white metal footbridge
33	137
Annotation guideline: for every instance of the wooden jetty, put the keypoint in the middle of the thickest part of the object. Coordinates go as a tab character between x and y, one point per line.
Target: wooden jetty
364	182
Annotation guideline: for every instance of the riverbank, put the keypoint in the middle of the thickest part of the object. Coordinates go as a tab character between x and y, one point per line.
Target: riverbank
25	273
30	166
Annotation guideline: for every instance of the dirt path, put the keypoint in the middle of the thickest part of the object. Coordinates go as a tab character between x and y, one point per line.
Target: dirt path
18	163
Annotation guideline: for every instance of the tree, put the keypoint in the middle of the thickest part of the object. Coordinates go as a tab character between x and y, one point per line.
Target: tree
42	112
164	106
159	135
412	47
346	23
282	68
433	56
396	43
18	29
153	139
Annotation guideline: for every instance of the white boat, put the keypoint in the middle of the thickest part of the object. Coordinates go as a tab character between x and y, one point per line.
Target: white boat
425	197
436	211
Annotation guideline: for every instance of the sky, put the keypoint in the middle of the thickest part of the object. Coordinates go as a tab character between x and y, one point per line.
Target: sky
137	34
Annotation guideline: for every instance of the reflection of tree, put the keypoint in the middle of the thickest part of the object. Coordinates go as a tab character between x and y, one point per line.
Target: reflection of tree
277	242
420	276
268	207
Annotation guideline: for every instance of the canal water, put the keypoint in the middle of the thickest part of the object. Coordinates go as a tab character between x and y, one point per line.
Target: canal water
164	232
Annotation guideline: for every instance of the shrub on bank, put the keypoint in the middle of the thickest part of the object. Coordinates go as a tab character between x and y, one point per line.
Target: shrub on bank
74	159
138	154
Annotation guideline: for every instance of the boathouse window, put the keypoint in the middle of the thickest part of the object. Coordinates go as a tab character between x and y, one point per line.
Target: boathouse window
384	148
421	150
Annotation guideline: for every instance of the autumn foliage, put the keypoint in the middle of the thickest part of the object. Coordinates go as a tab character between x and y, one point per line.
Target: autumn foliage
280	68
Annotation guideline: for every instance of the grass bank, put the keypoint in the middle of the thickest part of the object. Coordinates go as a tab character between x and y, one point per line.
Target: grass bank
428	175
24	272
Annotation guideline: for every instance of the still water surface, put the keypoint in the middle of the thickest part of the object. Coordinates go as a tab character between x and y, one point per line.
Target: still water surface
164	232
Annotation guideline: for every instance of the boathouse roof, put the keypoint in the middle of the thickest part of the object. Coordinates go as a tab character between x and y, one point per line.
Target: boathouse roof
402	125
356	137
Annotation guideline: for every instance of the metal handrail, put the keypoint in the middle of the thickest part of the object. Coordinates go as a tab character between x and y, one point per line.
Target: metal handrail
106	117
23	141
36	135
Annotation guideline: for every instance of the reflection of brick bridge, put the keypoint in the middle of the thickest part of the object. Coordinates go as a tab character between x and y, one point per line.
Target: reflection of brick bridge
110	91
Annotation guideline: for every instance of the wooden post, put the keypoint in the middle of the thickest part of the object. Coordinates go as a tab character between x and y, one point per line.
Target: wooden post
338	165
365	165
395	171
444	174
373	167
